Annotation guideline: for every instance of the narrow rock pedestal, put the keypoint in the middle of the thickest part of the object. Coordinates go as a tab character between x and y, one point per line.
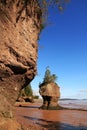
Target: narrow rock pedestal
50	93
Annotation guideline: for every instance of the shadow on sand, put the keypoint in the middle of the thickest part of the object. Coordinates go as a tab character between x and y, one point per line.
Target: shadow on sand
55	125
59	108
28	106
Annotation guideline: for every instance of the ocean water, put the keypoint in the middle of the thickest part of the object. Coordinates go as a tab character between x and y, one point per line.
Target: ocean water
77	104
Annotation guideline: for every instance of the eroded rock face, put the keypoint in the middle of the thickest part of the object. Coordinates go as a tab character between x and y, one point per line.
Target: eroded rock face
19	31
9	124
50	93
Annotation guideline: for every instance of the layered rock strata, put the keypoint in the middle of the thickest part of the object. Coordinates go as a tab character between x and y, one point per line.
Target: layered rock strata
19	30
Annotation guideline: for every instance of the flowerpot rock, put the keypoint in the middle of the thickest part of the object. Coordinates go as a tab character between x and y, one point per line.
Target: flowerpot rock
50	94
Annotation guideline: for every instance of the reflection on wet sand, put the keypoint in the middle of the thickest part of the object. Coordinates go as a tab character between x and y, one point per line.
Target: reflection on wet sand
55	125
30	115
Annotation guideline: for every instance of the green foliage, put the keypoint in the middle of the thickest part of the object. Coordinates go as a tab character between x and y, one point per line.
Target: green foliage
36	97
42	26
45	4
48	77
22	93
27	91
42	12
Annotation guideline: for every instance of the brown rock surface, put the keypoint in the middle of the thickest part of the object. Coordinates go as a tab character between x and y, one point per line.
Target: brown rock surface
9	124
19	30
50	93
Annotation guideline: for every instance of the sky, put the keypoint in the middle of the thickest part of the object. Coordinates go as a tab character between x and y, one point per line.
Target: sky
63	47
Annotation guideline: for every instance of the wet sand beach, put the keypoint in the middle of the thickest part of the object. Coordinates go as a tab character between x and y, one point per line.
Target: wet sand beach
31	117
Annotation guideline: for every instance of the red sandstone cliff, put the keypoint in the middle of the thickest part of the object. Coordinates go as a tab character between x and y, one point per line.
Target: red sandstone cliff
19	30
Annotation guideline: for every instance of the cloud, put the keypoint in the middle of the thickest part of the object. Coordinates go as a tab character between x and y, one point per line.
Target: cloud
83	91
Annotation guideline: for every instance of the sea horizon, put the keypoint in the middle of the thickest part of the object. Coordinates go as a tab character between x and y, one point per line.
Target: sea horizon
74	103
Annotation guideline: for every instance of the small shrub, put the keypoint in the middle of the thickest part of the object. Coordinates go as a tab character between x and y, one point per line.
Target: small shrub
36	97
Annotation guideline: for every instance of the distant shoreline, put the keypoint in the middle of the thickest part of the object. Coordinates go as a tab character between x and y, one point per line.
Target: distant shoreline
71	99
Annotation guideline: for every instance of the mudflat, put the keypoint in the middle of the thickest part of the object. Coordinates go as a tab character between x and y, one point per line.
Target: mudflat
32	118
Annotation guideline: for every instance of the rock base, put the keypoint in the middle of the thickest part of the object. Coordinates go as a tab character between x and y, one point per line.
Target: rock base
51	107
